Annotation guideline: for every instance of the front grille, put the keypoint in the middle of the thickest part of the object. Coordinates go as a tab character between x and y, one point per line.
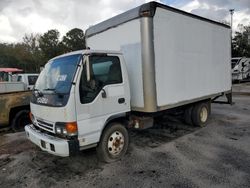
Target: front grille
45	125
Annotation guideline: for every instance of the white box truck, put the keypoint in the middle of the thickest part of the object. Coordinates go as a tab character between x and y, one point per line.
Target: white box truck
146	62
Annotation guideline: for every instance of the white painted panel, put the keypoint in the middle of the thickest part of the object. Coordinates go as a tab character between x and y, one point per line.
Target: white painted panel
115	90
126	38
11	87
192	57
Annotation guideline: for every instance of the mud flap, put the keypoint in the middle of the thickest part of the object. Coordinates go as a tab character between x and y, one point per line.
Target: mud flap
73	147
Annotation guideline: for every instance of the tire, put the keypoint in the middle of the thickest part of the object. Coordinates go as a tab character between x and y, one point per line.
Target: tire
200	114
188	115
113	143
20	120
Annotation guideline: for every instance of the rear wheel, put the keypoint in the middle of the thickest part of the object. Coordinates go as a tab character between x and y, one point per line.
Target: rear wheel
20	120
113	143
200	114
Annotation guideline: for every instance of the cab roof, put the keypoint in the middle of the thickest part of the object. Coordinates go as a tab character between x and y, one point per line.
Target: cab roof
89	51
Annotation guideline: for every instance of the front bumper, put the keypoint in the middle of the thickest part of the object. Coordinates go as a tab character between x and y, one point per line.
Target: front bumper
51	144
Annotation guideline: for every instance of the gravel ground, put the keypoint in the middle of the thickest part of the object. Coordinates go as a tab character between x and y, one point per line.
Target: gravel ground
171	154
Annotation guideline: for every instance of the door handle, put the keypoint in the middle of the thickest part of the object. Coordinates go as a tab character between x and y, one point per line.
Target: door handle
121	100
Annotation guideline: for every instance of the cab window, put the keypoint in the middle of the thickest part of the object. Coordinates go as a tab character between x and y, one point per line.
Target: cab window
104	70
19	78
32	79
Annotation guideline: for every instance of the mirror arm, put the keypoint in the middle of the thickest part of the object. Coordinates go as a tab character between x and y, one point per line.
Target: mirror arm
104	94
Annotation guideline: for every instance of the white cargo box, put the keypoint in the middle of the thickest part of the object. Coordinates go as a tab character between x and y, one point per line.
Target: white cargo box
173	57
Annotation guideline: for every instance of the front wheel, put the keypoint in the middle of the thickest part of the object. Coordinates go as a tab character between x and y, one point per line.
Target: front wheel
20	120
113	143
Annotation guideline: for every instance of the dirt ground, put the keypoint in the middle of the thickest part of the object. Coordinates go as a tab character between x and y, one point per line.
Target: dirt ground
171	154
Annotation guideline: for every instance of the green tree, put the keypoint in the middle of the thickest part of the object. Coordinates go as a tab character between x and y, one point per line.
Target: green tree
50	45
241	43
74	40
35	50
24	55
31	45
6	57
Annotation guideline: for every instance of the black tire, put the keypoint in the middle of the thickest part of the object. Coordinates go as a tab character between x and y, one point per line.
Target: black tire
188	115
117	135
200	114
20	120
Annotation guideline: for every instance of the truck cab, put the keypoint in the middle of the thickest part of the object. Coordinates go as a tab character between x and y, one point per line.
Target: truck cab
28	79
77	99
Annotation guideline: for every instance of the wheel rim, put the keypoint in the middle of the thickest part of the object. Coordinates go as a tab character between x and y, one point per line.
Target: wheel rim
203	114
115	143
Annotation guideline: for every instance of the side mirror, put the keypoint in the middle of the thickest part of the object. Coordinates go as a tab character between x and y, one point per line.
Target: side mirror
87	68
104	94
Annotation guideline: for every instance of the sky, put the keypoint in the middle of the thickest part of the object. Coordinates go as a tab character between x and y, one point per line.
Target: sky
18	17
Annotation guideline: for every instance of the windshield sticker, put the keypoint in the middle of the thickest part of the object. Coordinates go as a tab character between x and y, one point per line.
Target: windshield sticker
62	78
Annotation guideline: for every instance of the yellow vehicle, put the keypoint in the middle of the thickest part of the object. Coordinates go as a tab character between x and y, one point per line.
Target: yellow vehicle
14	101
14	109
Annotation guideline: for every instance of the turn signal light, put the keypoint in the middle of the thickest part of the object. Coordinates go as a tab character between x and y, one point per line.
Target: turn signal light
71	127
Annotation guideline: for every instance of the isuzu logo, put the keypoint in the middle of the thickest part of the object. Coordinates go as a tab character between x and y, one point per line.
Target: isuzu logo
42	100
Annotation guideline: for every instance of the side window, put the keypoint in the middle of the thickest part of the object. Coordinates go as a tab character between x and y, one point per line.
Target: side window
19	79
32	80
104	70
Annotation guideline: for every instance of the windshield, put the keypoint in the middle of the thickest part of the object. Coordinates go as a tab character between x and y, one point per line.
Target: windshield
58	74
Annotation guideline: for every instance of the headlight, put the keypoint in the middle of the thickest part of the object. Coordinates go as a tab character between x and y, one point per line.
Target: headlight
66	129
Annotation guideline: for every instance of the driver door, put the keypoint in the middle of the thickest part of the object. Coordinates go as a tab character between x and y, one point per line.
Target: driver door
104	95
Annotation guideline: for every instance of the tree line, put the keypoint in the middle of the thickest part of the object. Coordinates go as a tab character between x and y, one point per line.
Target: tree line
241	42
35	50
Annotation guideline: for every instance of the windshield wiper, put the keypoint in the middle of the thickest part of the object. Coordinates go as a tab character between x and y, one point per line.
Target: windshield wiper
54	90
49	89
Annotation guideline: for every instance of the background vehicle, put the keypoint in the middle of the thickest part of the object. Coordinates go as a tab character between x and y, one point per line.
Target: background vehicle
6	80
165	65
6	74
28	79
14	100
14	109
240	69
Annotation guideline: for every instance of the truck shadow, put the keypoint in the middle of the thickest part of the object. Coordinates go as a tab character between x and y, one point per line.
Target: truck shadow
165	129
